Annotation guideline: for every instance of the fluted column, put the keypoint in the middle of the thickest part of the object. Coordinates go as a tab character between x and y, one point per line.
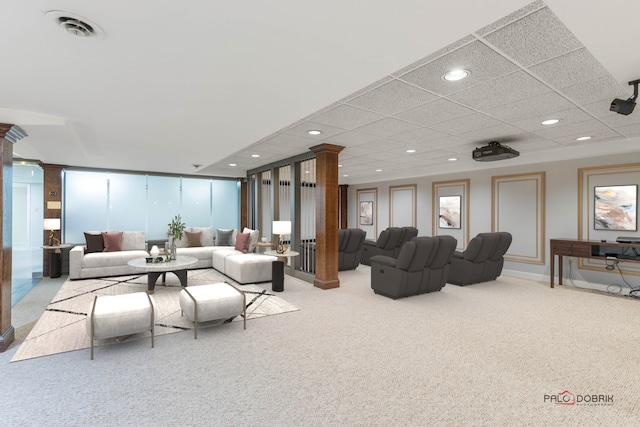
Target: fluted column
326	215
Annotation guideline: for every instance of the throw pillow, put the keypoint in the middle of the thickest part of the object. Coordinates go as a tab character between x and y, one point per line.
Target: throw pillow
194	240
94	243
253	239
224	237
112	241
242	242
207	235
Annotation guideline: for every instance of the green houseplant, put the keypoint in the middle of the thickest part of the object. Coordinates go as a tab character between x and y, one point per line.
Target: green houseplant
175	232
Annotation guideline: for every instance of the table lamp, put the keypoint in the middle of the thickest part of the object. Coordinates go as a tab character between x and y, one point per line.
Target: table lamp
52	224
281	228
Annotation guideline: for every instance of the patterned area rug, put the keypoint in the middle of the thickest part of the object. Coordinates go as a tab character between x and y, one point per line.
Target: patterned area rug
62	327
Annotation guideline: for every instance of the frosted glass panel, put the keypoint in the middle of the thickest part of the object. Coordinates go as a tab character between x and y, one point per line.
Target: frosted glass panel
196	202
85	204
163	203
127	202
226	204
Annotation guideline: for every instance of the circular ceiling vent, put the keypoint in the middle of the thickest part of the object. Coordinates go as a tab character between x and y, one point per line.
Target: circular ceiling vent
74	24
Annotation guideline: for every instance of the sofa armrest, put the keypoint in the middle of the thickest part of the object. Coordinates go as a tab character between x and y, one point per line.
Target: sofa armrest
370	243
75	261
457	254
384	260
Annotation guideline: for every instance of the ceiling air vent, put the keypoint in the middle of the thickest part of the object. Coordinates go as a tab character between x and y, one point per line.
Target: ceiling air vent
74	24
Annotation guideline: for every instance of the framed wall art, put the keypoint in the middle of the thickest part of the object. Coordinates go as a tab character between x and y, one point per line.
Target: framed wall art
615	207
449	216
366	213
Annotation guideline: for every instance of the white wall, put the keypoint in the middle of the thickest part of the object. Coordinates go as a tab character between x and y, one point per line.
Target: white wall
561	209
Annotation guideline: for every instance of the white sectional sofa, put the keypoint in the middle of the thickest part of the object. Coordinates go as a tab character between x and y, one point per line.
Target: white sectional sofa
242	267
103	264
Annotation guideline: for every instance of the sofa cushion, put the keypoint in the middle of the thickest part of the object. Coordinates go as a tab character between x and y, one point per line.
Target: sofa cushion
207	234
225	237
95	243
242	242
194	239
133	241
112	241
105	260
255	234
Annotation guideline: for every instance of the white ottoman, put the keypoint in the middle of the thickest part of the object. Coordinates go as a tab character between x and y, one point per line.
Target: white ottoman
211	302
116	315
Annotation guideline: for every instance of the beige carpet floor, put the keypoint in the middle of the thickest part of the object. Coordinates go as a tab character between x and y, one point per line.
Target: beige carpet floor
62	326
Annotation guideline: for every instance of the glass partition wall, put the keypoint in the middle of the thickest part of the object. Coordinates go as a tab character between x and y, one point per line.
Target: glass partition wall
286	192
101	201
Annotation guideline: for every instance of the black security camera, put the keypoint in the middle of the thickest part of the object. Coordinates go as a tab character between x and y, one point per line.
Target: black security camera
621	106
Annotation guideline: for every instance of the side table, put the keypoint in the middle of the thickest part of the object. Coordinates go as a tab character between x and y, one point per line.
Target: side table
55	258
277	269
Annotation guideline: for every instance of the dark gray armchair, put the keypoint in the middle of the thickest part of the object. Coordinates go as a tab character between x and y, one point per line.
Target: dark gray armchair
350	248
421	267
482	261
389	243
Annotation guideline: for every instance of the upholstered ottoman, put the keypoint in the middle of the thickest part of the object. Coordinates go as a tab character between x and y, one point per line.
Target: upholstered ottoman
249	268
211	302
117	315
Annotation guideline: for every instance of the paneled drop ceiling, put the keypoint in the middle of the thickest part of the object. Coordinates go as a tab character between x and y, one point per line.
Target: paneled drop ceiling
525	68
195	91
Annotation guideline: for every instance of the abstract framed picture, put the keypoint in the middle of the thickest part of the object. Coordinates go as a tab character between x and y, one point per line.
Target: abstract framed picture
450	208
366	213
615	207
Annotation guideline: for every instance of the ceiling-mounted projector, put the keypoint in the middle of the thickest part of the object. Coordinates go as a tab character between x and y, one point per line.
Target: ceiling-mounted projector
494	151
621	106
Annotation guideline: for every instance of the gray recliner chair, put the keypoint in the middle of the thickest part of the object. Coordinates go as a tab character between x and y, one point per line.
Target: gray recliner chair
421	267
482	261
350	248
389	243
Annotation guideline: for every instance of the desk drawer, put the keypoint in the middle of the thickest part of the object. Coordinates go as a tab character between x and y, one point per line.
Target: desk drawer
572	249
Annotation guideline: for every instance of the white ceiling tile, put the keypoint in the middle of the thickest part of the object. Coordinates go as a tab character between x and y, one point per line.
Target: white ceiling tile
493	133
596	136
466	124
434	112
572	115
504	90
300	131
387	127
570	69
447	142
535	38
347	117
531	107
419	135
365	89
447	49
483	63
629	131
596	90
518	14
616	120
574	129
392	97
352	138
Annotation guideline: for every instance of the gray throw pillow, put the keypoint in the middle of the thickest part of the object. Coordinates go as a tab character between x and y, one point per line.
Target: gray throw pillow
224	237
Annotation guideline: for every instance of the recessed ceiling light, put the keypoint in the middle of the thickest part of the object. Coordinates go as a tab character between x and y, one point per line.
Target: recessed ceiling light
452	159
455	75
339	166
378	170
345	175
550	122
307	172
232	164
255	155
583	138
411	151
314	132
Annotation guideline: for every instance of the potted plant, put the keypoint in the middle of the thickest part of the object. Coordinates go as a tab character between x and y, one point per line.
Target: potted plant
175	232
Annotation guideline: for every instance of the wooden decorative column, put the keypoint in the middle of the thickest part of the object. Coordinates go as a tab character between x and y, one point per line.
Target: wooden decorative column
52	207
344	206
244	205
326	215
7	332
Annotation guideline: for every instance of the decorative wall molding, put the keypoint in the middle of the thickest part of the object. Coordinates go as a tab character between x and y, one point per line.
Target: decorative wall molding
403	209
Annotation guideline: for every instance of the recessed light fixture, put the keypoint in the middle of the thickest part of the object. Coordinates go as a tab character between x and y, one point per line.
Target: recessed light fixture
550	122
307	172
345	175
339	166
411	151
314	132
583	138
232	164
255	155
378	170
455	75
452	159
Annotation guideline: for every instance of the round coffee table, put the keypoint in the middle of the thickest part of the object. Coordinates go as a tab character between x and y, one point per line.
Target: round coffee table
177	266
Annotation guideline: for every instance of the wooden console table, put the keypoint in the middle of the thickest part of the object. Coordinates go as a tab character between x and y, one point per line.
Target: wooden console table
596	249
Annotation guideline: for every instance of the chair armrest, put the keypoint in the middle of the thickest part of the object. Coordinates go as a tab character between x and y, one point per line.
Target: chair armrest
384	260
457	254
371	243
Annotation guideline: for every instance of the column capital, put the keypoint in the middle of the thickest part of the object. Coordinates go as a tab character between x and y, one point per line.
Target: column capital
326	148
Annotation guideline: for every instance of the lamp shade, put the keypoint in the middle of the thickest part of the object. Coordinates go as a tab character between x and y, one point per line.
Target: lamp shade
52	223
281	227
